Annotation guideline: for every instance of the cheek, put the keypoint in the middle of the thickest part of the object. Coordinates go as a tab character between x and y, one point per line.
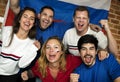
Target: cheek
32	22
47	51
76	21
93	52
87	21
58	56
82	53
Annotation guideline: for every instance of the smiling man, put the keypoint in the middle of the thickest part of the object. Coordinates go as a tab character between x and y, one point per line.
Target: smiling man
92	69
81	20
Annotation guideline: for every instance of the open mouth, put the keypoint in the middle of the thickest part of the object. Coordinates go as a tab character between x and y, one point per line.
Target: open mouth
88	58
80	25
51	57
27	24
46	22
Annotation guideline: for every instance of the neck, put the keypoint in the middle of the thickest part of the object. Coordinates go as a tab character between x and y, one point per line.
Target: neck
22	35
54	66
83	32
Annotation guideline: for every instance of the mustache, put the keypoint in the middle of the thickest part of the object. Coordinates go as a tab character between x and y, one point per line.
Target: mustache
88	55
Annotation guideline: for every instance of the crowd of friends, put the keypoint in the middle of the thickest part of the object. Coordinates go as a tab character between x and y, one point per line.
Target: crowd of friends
82	54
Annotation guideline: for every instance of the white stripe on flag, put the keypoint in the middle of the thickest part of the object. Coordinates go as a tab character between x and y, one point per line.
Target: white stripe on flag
97	4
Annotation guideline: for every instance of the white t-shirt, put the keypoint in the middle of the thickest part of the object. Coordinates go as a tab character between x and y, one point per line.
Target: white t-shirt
18	55
71	38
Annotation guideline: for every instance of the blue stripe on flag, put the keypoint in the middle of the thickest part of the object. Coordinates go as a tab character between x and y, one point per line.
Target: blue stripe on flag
64	10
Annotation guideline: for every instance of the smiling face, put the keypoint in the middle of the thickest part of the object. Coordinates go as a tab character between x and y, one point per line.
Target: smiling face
27	20
53	51
81	21
46	18
88	53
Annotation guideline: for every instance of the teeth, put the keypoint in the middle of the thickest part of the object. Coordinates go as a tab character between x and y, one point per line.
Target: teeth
27	24
80	25
45	21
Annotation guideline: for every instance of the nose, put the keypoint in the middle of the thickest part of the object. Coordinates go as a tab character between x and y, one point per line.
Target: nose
80	19
87	51
47	17
51	49
28	19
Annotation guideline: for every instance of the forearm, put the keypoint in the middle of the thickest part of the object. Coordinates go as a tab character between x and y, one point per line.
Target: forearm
112	44
117	79
30	53
14	5
30	74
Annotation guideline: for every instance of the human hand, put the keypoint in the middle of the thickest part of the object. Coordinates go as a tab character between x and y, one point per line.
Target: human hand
104	24
24	75
74	77
95	27
37	44
102	54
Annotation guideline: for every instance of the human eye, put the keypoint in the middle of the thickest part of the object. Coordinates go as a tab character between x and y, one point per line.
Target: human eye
32	18
92	48
56	47
85	18
25	16
83	49
47	47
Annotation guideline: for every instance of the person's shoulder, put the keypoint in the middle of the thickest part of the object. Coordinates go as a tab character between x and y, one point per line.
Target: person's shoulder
110	59
91	31
73	58
71	30
79	68
31	40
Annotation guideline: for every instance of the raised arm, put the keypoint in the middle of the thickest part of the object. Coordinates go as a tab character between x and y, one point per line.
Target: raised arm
14	5
112	44
117	79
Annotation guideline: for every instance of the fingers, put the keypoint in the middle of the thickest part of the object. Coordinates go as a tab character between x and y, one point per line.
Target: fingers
37	44
24	75
104	24
74	77
95	27
102	54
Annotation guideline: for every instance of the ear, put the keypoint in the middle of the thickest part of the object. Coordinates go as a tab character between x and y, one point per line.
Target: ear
38	16
88	20
97	51
73	19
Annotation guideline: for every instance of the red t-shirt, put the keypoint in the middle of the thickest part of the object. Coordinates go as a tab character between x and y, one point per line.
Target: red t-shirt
72	63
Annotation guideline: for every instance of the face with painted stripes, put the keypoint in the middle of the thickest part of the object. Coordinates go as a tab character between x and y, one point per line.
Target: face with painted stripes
53	51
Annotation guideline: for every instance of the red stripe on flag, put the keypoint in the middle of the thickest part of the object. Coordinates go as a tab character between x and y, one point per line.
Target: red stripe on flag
10	17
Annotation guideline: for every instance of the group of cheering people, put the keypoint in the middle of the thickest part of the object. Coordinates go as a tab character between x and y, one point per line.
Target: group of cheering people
83	54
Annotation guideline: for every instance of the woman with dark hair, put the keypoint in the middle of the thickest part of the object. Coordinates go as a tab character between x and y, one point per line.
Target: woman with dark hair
19	46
